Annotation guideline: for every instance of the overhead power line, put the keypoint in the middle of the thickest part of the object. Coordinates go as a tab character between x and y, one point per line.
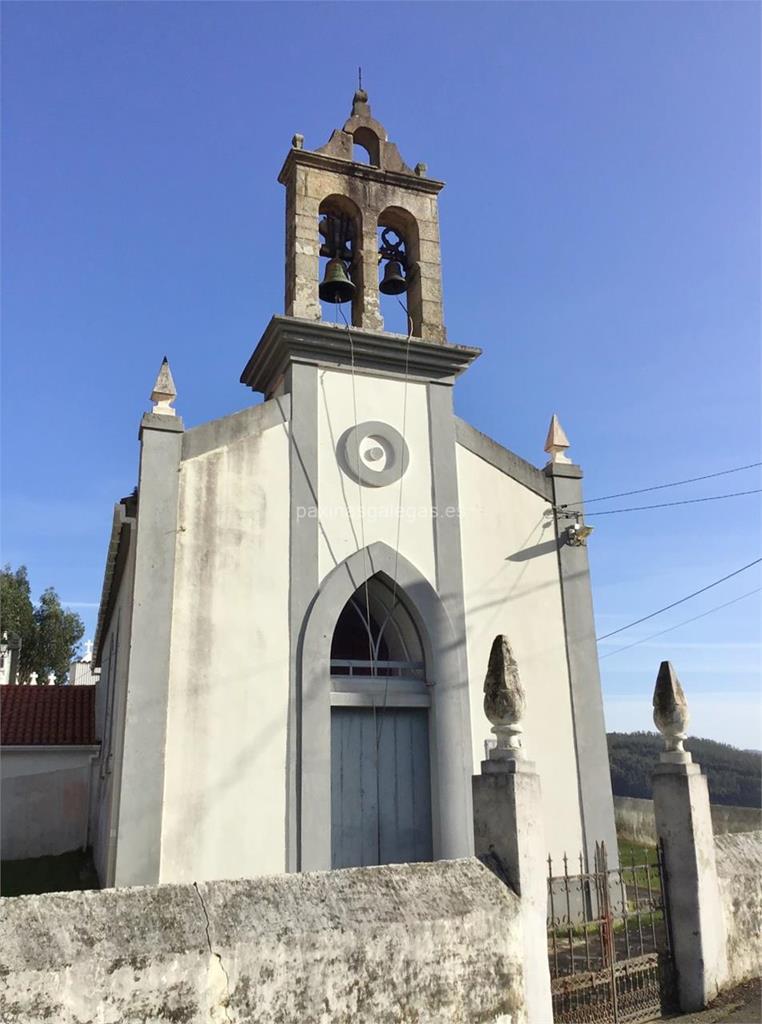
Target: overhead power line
685	622
660	487
681	601
670	504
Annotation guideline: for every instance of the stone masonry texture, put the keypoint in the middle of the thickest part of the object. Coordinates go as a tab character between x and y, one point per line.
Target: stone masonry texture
739	870
424	942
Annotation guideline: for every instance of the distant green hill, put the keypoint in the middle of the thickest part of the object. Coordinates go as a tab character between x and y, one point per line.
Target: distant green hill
734	776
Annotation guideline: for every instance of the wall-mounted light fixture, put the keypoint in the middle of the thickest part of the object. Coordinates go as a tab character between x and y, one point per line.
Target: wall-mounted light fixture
577	534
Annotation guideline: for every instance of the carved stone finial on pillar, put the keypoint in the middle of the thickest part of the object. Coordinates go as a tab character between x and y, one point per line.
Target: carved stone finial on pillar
684	828
504	701
164	392
556	442
509	836
671	715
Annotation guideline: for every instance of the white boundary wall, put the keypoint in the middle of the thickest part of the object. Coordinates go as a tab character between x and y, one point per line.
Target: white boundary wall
412	942
739	870
45	800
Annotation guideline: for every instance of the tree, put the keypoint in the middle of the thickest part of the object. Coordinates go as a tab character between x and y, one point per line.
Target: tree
734	776
58	634
17	614
49	633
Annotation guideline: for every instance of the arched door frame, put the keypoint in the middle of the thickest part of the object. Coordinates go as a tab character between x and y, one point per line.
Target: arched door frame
450	726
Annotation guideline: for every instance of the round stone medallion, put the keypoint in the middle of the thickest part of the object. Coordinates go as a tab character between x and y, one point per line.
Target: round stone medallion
373	454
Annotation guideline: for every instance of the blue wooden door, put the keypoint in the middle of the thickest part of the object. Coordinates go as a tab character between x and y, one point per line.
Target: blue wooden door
380	786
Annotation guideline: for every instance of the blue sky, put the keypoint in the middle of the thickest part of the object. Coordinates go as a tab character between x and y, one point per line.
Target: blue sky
601	243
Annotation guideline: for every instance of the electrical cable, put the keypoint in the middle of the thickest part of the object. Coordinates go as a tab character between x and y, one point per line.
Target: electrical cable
666	504
399	509
659	487
359	496
695	618
681	601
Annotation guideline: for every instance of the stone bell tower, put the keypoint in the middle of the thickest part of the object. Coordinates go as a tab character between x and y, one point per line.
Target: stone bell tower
350	201
368	415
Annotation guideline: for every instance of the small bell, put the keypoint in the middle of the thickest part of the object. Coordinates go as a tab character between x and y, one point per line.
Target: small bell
394	282
336	286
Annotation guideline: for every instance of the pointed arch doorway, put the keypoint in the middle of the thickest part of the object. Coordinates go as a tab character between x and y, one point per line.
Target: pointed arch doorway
380	759
445	701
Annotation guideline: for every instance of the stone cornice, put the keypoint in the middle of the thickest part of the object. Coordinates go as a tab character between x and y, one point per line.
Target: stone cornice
323	162
290	339
565	469
504	459
116	560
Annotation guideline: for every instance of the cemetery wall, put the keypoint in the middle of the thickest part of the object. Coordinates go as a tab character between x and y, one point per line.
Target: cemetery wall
424	942
739	870
635	819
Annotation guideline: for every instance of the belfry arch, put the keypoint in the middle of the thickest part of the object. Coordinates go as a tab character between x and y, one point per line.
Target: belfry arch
402	224
442	690
340	231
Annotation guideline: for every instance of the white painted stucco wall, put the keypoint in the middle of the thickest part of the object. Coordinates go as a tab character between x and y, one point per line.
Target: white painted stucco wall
44	799
343	528
511	586
110	696
225	783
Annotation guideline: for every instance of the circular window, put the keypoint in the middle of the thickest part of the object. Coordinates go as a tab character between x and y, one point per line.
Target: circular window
373	454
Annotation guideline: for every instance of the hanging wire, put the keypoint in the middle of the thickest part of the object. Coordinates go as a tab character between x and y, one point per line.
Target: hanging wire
685	622
399	501
660	487
359	494
681	601
666	504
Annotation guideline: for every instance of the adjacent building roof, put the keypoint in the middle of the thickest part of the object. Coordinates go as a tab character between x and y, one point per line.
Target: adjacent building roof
47	715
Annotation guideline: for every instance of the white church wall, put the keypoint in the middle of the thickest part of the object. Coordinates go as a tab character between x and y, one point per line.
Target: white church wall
511	586
110	695
340	533
225	784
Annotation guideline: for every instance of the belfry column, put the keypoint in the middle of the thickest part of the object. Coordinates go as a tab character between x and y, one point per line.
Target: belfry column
138	850
302	244
370	312
594	778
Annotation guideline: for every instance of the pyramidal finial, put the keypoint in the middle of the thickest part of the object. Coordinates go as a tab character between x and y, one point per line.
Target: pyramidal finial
556	442
504	701
164	392
671	714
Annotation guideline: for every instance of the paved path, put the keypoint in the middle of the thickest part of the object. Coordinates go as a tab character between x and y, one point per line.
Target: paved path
742	1005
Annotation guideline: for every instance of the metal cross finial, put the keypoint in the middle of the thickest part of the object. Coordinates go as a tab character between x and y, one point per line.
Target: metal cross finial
359	78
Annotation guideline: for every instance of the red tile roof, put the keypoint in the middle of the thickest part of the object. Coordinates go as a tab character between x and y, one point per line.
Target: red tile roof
47	715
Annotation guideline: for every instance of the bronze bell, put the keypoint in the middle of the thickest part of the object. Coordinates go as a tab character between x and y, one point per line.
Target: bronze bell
394	282
336	285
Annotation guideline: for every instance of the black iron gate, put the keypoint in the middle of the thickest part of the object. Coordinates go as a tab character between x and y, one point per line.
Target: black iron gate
609	942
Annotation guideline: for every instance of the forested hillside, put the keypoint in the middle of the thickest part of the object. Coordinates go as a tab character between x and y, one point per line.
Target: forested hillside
734	776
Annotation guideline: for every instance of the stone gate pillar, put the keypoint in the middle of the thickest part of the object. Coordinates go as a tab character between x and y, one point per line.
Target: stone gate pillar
684	826
508	827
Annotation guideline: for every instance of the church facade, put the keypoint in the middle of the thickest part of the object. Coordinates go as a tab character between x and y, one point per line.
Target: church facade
300	598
